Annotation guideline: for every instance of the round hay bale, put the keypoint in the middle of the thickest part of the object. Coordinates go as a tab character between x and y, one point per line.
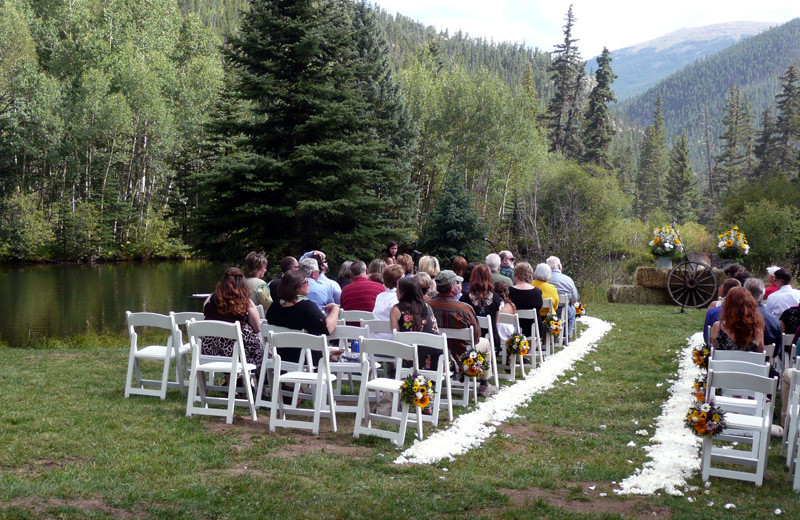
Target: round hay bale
637	294
654	277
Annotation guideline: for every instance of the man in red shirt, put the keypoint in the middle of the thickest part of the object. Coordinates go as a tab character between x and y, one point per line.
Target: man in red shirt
360	294
771	288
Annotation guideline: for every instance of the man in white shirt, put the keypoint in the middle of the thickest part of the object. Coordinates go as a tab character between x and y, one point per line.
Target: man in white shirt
785	296
388	298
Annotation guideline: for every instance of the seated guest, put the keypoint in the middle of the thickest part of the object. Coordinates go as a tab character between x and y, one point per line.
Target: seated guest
773	335
388	298
375	277
289	263
740	326
426	284
255	266
322	262
376	266
482	298
504	330
453	314
564	285
360	295
467	275
524	295
459	264
319	293
231	302
429	264
390	256
506	263
771	288
493	262
785	297
790	319
344	277
712	314
541	277
407	263
295	311
412	314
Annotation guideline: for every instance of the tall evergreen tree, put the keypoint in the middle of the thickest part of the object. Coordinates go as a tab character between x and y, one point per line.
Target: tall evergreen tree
766	148
563	111
599	130
788	122
323	161
734	164
652	165
680	187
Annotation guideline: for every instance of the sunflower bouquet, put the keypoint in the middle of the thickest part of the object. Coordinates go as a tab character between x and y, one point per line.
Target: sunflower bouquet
474	363
517	344
700	355
699	388
732	244
580	310
416	390
665	242
552	324
705	419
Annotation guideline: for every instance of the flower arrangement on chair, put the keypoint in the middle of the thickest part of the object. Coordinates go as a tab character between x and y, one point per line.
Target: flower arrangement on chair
700	355
474	363
699	388
416	390
580	310
517	344
665	242
732	244
705	419
552	324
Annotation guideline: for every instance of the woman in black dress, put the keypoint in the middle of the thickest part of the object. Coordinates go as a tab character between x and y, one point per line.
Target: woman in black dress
524	295
483	299
412	314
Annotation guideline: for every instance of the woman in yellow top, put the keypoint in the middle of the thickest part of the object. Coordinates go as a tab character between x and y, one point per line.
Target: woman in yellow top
541	275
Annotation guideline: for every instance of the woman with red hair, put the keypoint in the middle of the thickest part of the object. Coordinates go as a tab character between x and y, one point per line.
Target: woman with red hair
740	326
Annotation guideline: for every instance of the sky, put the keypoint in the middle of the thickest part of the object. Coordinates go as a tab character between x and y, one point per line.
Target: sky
599	23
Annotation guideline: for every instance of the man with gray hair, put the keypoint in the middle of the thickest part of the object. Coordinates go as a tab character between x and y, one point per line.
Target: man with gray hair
564	285
506	263
318	292
493	262
772	327
771	288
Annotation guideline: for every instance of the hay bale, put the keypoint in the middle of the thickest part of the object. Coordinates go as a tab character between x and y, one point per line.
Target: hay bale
637	294
654	277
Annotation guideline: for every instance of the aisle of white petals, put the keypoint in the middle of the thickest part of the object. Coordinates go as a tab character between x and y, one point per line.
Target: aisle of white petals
472	429
675	454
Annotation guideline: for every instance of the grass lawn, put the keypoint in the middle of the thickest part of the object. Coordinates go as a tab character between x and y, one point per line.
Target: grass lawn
72	447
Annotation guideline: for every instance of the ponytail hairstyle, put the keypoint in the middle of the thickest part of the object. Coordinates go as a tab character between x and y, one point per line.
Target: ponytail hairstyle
232	294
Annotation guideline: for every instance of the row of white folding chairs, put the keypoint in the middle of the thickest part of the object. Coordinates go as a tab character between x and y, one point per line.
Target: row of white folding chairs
790	445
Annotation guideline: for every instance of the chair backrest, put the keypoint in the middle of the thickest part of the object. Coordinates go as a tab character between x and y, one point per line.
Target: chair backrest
260	309
508	319
730	365
425	339
465	334
387	348
787	339
222	329
181	319
378	326
563	299
739	355
547	303
355	316
761	386
295	339
485	322
344	333
148	319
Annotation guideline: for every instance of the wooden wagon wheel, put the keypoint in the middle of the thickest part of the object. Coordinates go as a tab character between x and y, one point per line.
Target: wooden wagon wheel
692	284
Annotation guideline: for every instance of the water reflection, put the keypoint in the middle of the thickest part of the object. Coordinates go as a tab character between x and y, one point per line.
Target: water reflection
64	300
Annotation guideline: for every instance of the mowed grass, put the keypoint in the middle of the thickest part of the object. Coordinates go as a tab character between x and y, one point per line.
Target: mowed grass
71	446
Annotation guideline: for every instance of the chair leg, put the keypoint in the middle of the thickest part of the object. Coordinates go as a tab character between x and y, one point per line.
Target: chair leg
331	403
231	397
131	362
191	393
706	458
401	433
165	377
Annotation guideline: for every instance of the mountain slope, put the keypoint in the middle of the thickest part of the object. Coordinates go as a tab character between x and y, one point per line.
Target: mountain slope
755	64
641	66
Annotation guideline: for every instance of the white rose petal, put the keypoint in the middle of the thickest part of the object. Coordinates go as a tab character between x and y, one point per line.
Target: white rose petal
730	506
631	444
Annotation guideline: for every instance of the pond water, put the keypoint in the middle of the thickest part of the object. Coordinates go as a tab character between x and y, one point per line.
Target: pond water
65	300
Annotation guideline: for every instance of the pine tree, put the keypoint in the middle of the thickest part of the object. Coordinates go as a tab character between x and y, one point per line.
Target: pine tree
563	111
788	122
599	130
323	155
652	165
453	227
734	164
680	187
765	149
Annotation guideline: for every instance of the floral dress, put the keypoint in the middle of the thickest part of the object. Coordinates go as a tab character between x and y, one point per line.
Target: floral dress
724	342
216	346
428	357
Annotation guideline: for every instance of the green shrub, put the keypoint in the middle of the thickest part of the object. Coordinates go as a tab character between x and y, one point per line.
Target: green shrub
25	231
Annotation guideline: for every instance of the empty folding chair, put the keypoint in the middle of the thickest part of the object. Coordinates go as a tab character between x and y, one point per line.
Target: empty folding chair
234	366
485	322
739	401
441	375
319	377
343	337
365	418
507	361
757	424
537	343
172	349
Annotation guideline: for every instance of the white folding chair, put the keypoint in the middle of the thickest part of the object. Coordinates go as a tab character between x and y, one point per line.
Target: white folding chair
757	425
537	343
467	335
759	358
355	316
790	425
788	351
172	349
260	309
321	380
343	337
563	315
485	322
399	352
234	366
441	377
739	401
265	375
510	362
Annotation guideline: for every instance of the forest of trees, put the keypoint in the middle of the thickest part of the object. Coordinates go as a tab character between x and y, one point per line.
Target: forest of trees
138	128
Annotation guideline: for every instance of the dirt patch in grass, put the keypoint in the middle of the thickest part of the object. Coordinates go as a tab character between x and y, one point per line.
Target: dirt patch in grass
44	507
577	497
41	466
